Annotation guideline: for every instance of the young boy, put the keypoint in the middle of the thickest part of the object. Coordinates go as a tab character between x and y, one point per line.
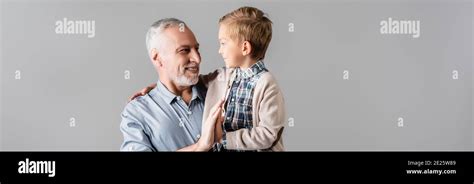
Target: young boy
254	114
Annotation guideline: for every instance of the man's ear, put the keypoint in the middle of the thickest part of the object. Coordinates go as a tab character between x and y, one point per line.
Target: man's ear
246	48
155	57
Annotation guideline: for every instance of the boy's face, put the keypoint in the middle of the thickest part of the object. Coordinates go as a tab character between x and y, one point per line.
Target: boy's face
230	49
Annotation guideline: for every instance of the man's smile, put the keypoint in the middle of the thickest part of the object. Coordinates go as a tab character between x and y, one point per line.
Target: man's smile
193	69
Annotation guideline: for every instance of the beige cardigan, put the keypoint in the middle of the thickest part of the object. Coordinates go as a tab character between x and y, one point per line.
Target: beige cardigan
269	113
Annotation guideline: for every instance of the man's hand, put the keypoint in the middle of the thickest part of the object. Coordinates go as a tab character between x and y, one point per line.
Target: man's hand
144	91
219	129
207	132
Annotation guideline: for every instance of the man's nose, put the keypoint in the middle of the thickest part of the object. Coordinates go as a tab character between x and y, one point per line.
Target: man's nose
196	56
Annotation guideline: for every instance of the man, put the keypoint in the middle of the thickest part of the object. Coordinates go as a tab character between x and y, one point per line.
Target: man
169	117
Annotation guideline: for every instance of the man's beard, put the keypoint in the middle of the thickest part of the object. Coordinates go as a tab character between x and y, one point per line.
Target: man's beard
182	80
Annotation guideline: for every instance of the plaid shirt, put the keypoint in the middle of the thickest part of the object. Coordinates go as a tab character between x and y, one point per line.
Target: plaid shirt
238	105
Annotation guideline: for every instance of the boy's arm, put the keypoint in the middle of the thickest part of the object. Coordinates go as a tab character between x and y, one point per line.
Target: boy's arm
272	120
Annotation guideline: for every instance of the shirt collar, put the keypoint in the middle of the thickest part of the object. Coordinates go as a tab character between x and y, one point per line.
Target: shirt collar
196	93
169	97
252	71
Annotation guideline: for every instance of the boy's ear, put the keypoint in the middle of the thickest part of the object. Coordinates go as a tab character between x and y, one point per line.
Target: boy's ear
155	57
246	48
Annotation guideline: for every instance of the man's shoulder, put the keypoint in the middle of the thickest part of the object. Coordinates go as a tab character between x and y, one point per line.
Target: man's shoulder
140	102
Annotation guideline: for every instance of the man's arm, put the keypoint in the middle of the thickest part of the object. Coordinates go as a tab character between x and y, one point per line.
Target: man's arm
192	147
207	131
136	140
134	136
199	146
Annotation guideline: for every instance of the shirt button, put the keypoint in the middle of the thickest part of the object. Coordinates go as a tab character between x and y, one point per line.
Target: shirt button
198	136
178	98
189	112
181	124
228	118
232	99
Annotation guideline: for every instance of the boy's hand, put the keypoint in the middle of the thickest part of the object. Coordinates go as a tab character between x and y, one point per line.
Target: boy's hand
144	91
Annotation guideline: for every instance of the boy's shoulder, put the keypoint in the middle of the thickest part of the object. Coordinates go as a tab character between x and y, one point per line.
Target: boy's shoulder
267	82
267	78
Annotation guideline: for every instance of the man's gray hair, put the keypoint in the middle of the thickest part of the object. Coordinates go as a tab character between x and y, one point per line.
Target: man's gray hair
152	36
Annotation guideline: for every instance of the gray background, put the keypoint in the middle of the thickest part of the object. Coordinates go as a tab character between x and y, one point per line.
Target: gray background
391	76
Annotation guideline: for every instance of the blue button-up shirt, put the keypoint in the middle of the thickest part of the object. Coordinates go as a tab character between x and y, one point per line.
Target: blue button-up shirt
162	121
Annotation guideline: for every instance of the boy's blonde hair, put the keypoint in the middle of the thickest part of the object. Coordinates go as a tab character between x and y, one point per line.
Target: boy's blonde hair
252	25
